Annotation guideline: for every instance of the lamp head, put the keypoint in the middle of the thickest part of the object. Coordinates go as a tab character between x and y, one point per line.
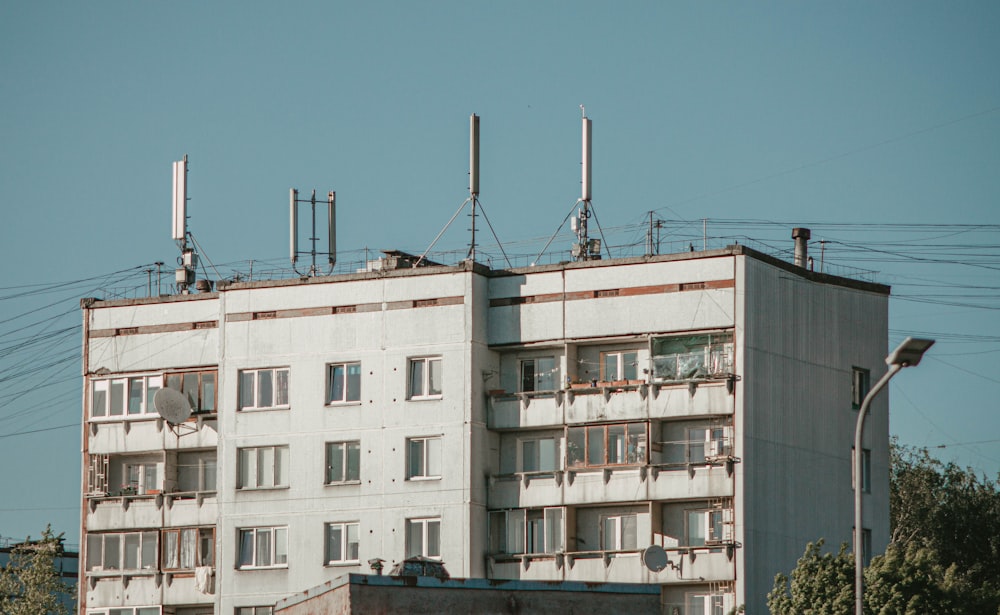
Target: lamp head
909	352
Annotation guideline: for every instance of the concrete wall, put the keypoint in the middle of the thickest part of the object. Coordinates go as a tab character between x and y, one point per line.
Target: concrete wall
797	341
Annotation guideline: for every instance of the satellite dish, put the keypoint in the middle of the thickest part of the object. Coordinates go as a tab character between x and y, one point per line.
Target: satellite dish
171	405
655	558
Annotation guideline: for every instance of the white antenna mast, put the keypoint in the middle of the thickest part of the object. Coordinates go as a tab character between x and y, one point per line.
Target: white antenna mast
473	198
188	261
331	229
585	248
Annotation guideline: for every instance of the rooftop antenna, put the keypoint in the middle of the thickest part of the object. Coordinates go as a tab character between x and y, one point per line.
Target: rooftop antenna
331	231
585	248
188	261
473	198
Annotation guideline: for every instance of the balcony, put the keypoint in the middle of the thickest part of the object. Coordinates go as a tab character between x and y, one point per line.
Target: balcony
145	587
607	401
152	433
116	512
659	482
686	564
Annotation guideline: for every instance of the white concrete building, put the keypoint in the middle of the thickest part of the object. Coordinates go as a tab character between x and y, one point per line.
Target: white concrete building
541	423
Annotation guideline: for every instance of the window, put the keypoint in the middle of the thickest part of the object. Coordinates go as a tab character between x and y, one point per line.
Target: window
198	387
141	477
196	471
601	445
423	457
866	470
424	378
263	388
263	547
705	604
120	397
254	610
128	610
619	365
343	462
540	374
860	385
263	467
343	383
187	548
539	455
342	543
705	443
683	357
423	538
618	532
121	551
707	527
527	531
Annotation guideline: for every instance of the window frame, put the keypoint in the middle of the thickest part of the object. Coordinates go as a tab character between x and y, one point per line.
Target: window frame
204	553
345	454
344	399
253	610
206	459
121	538
276	401
537	456
426	458
700	449
861	382
621	527
866	469
622	371
198	405
344	527
641	453
146	467
515	529
716	350
279	470
426	379
534	382
270	530
424	523
125	397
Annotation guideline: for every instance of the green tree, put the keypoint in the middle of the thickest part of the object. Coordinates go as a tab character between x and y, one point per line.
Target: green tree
904	581
953	513
821	584
30	583
943	555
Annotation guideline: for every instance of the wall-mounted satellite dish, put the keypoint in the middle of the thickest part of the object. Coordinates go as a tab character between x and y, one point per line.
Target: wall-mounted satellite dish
172	406
655	558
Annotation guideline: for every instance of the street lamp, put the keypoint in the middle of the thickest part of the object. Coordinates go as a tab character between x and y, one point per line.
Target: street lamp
906	354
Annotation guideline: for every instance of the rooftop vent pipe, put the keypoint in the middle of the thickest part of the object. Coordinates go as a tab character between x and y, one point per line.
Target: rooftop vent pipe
801	237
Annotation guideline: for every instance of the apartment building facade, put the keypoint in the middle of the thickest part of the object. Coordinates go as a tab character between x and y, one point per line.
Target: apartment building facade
543	423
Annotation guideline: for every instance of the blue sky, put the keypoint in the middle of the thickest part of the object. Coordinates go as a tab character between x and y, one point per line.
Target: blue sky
876	124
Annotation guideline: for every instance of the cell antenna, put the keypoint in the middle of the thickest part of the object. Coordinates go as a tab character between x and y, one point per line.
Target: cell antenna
473	198
180	202
184	275
585	248
331	230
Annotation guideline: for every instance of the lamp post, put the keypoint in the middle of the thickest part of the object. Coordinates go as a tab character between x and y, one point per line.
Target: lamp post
906	354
